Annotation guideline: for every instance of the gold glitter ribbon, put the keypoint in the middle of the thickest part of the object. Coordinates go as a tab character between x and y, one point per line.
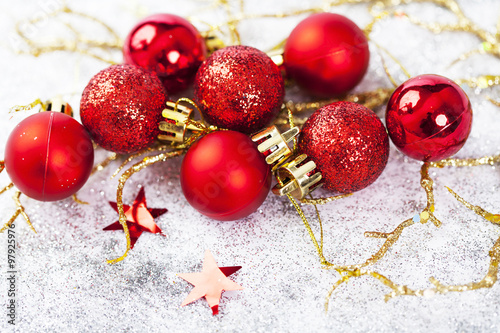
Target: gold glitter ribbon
100	166
19	211
147	161
20	207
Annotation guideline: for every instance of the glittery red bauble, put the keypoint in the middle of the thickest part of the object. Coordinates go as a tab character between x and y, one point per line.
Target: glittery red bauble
169	46
239	88
49	156
327	54
224	176
429	117
121	107
348	143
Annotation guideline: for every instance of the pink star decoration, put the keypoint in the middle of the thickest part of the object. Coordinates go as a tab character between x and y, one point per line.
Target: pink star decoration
139	218
210	282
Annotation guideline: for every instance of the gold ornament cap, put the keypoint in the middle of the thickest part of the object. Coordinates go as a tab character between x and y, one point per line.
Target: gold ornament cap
274	145
57	104
213	42
175	125
299	177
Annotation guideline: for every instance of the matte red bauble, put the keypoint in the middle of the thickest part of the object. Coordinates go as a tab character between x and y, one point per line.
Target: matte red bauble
429	118
167	45
239	88
49	156
224	176
348	143
121	107
326	54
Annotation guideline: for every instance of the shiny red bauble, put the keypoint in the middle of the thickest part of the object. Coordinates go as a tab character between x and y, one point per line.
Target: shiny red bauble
167	45
326	54
224	176
49	156
239	88
121	108
348	143
429	117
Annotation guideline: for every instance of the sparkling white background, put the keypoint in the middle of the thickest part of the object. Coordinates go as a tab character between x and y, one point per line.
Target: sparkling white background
65	284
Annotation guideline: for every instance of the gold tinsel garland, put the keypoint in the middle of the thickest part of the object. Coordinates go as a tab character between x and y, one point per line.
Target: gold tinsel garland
296	113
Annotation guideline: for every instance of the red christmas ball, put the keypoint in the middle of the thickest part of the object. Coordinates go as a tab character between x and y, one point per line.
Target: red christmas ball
239	88
326	54
348	143
167	45
429	117
121	107
49	156
224	176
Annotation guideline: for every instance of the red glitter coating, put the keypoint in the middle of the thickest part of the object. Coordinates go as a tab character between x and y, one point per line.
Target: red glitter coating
167	45
239	88
348	143
429	117
327	54
121	107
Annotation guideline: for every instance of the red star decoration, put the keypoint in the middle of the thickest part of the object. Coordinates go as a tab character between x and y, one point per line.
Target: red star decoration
139	218
210	282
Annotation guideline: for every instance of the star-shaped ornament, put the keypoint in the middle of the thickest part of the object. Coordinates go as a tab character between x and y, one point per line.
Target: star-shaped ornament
139	218
210	282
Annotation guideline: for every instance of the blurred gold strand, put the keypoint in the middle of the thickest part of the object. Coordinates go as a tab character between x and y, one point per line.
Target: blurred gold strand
322	201
291	124
100	166
19	211
330	292
6	188
321	241
462	162
403	69
140	153
482	81
427	184
27	107
370	99
78	201
282	121
497	103
376	18
79	44
464	24
493	218
20	208
324	7
466	55
11	220
232	22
